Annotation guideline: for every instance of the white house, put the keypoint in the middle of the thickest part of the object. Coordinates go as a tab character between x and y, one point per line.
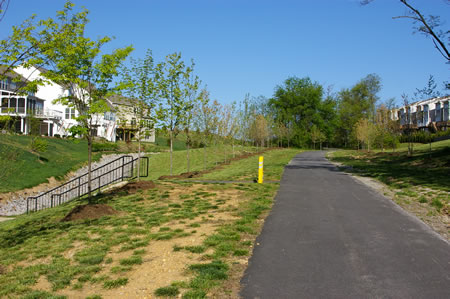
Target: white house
426	114
56	118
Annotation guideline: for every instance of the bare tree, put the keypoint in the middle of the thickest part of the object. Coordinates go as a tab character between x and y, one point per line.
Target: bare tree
429	26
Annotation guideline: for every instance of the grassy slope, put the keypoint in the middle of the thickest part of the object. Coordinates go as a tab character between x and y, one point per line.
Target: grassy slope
159	163
420	183
40	242
397	169
27	171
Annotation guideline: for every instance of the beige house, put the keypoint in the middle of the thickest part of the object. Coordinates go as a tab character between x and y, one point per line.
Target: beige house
125	112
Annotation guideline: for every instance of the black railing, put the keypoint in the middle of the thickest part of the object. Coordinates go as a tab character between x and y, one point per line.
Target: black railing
119	169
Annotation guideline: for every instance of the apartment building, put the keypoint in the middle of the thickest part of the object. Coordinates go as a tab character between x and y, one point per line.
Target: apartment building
430	114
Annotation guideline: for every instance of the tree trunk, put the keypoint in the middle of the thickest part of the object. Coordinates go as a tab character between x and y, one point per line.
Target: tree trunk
187	156
89	139
139	158
204	156
171	151
234	156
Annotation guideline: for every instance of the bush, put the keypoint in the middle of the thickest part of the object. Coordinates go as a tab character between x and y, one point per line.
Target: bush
104	147
425	137
57	136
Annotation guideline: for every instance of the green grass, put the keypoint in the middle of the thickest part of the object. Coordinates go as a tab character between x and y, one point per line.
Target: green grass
247	169
411	177
399	170
159	164
40	241
27	171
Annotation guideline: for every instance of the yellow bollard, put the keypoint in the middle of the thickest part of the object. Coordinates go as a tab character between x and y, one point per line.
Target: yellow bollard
260	170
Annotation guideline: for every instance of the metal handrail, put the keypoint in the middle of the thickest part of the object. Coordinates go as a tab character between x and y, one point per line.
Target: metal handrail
77	187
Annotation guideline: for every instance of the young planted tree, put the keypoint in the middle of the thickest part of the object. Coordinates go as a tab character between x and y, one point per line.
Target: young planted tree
139	84
172	76
75	63
192	97
205	121
365	131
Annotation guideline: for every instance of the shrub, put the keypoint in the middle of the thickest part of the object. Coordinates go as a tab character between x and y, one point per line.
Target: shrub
103	147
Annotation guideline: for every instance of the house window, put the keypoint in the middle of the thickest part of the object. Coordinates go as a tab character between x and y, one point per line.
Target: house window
438	111
425	114
446	116
133	121
4	84
70	113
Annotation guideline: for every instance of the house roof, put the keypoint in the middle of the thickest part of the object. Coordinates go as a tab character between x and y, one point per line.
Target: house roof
121	100
4	71
431	100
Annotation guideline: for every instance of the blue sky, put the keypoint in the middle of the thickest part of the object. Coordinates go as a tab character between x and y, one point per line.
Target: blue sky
250	46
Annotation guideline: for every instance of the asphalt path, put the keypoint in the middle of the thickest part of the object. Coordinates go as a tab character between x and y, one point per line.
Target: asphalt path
330	236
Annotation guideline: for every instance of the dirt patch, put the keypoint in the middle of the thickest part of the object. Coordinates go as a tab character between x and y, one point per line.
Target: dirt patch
136	186
89	212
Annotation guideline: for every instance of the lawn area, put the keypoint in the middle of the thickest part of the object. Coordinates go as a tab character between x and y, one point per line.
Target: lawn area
419	183
159	163
192	239
25	170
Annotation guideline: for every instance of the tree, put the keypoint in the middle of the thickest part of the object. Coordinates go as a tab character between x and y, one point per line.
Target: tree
139	84
192	84
205	120
429	91
429	26
356	103
296	104
316	136
172	78
75	63
364	130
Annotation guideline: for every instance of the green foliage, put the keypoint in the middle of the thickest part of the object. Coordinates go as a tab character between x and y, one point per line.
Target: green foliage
299	105
355	104
38	145
170	291
424	137
104	147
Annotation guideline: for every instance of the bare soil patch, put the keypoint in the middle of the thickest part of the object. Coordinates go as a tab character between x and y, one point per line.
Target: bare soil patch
134	187
89	212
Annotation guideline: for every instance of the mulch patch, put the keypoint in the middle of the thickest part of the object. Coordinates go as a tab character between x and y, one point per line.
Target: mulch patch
136	186
89	212
196	174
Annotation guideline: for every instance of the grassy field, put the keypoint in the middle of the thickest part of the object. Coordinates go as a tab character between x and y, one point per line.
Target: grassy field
192	239
419	183
159	164
26	170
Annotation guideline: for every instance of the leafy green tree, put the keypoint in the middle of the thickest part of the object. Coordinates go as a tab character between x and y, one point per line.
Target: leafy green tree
140	85
354	104
75	62
298	104
205	121
172	78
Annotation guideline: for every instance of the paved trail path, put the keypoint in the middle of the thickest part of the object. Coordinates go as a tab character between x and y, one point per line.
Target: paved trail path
329	236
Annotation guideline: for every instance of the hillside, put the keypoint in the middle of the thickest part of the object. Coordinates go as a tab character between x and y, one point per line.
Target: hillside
23	169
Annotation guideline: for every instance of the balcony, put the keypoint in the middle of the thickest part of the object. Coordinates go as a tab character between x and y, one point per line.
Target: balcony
48	114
